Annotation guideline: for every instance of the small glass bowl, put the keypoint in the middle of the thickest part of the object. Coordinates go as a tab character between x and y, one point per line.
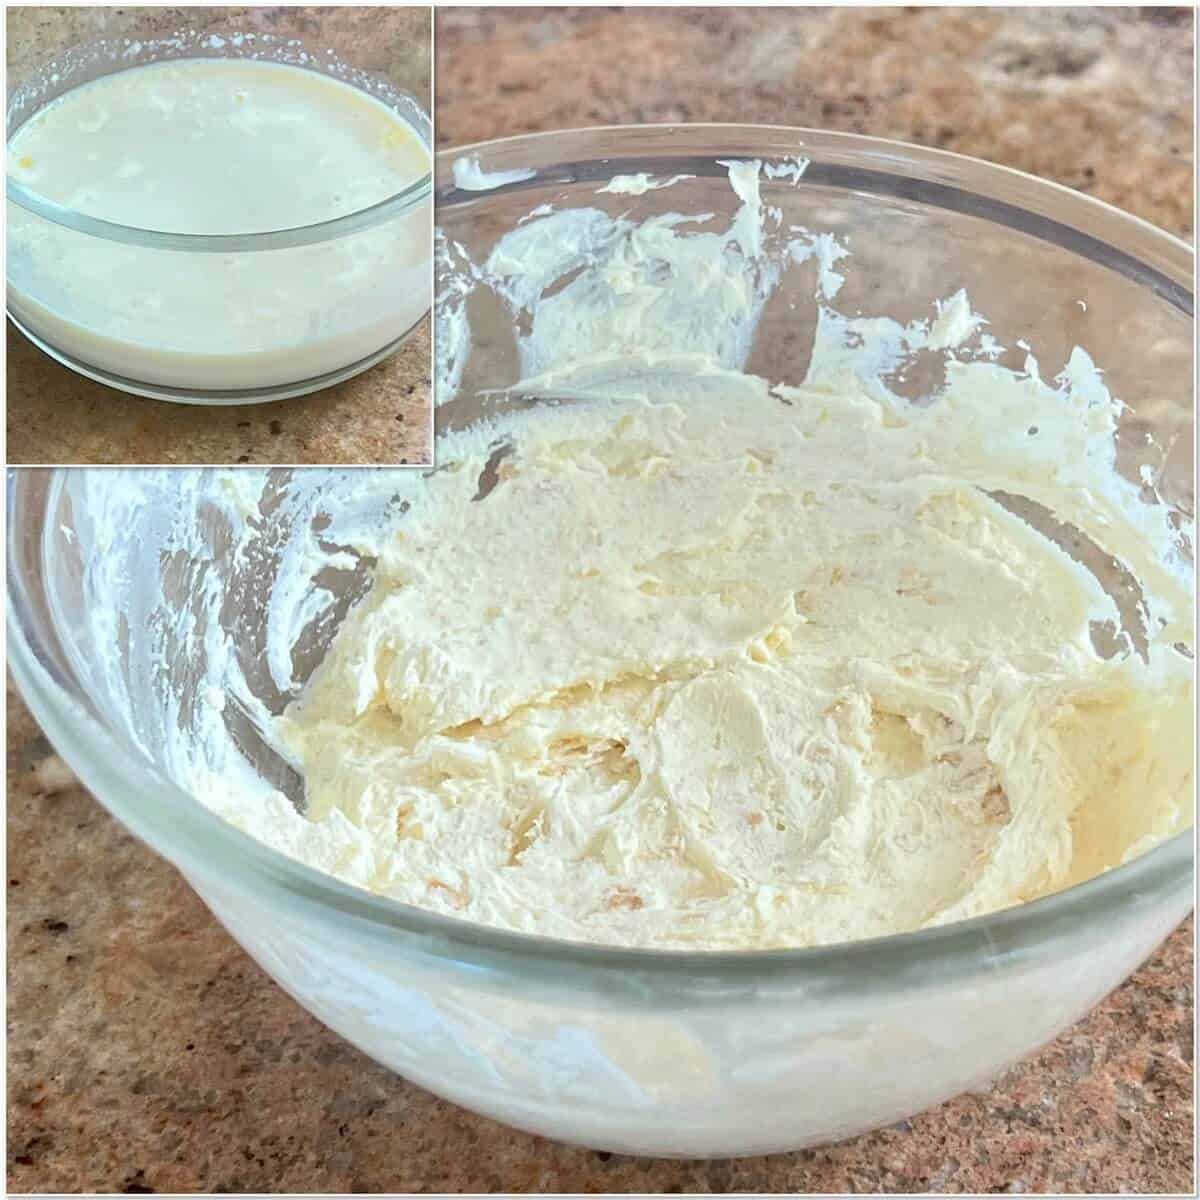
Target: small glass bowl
634	1051
346	330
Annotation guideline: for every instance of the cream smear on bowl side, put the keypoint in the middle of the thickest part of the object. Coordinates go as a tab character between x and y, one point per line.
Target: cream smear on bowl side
684	658
217	146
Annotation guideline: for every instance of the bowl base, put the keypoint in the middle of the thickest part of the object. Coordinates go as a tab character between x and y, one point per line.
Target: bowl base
214	396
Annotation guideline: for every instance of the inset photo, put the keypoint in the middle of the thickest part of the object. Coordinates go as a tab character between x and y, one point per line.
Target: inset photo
219	235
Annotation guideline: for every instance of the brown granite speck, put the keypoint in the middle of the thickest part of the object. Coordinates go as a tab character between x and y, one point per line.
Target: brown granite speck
56	416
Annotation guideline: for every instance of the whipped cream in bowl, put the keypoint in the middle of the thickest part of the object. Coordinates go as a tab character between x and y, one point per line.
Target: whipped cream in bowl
214	218
773	712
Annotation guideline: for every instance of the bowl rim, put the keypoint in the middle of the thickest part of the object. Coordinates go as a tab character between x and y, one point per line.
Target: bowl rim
403	201
915	152
222	243
1055	210
202	843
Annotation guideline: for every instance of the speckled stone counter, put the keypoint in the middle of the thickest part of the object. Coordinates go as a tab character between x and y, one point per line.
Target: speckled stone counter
147	1052
381	416
1097	99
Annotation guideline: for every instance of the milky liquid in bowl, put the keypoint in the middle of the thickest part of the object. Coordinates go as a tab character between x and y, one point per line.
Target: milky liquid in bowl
232	150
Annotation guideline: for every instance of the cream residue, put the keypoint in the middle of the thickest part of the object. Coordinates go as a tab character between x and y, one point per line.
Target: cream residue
788	168
471	177
639	184
692	660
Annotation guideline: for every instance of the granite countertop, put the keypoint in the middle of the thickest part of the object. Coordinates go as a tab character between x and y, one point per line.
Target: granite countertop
382	415
1099	100
147	1052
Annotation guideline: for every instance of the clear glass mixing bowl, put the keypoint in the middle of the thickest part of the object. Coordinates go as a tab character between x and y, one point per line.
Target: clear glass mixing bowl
197	278
634	1051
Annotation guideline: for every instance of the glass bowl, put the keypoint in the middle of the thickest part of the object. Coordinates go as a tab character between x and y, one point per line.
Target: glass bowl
153	614
305	343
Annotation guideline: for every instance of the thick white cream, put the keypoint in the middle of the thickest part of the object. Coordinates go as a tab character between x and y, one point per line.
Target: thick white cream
716	670
217	146
691	660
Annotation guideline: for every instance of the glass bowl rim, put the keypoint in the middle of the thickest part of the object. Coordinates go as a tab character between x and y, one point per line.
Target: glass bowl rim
224	243
1173	271
808	137
180	827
